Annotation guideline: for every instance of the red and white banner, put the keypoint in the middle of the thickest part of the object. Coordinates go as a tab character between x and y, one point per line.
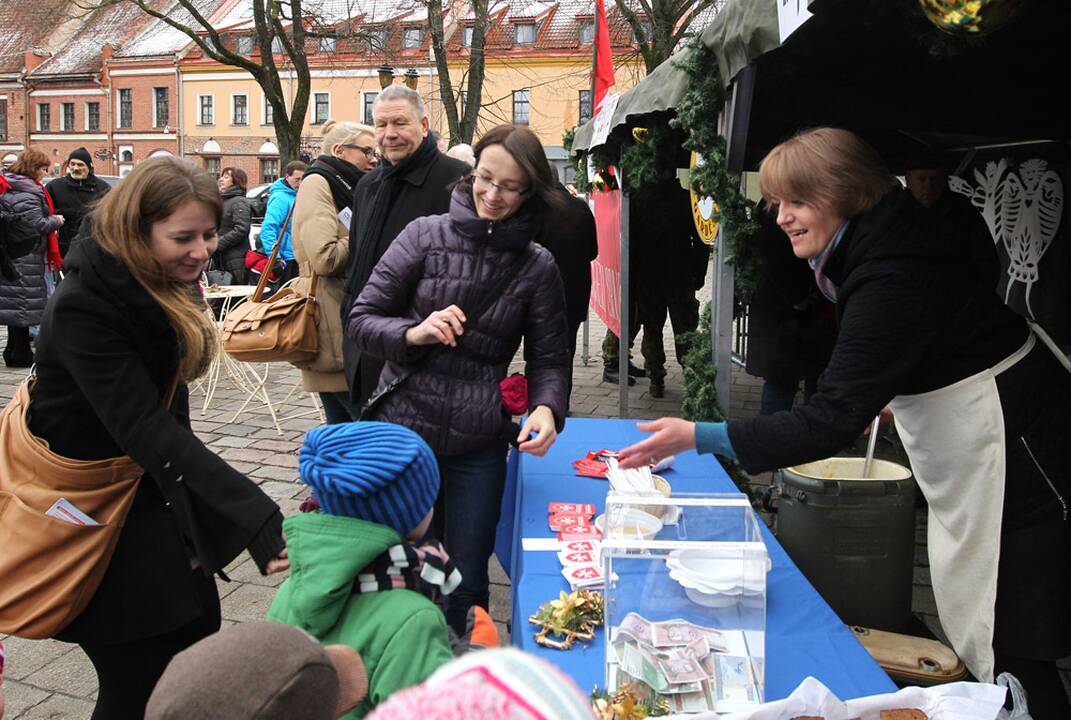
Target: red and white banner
606	268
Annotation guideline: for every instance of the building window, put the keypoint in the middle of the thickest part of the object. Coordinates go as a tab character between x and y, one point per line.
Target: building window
368	101
243	44
126	153
412	38
268	112
587	32
93	116
240	110
276	45
585	106
524	34
269	170
44	117
462	101
645	26
466	36
67	116
126	108
520	107
208	110
161	114
378	39
321	109
3	119
212	166
327	44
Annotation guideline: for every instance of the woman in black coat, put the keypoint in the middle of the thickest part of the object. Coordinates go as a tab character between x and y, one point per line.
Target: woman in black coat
27	229
982	403
123	324
435	272
234	227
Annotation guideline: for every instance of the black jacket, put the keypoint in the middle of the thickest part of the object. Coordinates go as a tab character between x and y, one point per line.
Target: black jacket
106	356
71	199
664	246
234	230
423	190
22	299
571	239
913	317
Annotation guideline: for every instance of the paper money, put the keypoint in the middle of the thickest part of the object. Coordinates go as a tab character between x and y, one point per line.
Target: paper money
641	666
733	681
680	666
637	626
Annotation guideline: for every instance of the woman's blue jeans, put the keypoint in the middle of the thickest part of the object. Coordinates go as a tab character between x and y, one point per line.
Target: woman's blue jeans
466	514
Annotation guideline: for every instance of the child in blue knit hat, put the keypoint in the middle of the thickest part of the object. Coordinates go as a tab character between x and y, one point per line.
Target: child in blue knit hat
353	577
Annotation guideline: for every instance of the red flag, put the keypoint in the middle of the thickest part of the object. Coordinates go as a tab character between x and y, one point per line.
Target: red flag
604	60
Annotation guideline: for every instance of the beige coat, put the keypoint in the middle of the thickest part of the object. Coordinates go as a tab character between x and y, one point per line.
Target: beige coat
321	245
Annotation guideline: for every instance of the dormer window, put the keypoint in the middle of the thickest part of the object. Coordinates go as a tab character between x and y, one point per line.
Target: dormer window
645	25
524	34
412	38
243	44
587	32
378	38
466	36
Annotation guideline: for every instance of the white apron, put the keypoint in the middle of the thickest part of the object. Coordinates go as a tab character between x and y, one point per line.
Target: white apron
954	437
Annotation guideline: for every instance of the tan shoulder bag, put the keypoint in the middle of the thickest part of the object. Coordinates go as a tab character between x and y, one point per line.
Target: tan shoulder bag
279	329
50	567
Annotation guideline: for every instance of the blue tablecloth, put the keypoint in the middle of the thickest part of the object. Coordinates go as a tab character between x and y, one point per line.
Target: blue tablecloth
803	635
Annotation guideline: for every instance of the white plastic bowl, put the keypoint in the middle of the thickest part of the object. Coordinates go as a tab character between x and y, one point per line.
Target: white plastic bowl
629	523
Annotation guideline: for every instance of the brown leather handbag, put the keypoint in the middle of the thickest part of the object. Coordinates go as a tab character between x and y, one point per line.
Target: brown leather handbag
279	329
49	567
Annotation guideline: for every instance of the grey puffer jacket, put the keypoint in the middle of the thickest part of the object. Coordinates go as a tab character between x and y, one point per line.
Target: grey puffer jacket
22	301
453	400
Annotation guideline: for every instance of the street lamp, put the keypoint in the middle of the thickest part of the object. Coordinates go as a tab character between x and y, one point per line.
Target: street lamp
386	75
411	78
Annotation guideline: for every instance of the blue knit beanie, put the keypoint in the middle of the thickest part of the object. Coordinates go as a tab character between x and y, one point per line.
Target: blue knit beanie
374	471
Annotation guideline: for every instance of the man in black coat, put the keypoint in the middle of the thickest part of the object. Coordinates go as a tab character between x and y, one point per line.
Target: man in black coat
73	193
572	241
413	180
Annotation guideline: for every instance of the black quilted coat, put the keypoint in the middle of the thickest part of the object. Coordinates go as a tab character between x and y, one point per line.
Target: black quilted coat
22	301
453	400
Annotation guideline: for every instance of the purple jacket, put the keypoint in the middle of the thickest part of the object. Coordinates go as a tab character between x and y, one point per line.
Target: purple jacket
453	401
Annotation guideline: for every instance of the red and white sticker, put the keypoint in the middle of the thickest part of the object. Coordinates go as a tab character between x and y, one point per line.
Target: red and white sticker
580	546
565	508
562	522
580	533
577	558
583	575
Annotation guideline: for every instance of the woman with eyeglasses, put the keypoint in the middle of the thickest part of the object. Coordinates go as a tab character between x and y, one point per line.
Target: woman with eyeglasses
420	311
321	223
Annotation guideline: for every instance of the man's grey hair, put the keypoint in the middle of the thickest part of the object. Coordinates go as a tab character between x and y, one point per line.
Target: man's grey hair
401	92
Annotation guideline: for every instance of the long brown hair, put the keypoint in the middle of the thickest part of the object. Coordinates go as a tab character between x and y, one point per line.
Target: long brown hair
29	162
122	226
830	168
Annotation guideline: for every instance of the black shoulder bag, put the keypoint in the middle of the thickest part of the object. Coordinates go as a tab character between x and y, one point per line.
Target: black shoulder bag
371	406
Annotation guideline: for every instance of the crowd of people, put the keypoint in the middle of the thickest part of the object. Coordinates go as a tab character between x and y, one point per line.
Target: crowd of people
430	272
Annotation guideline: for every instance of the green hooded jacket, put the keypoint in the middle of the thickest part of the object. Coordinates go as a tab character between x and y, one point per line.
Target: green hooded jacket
400	634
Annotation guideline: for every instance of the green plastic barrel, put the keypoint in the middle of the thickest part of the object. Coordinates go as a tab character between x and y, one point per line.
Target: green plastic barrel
854	539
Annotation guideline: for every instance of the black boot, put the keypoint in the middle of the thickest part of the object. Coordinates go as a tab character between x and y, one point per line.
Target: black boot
612	376
636	372
18	353
658	387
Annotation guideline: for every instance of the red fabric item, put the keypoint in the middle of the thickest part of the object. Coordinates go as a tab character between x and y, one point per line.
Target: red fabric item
257	261
55	262
515	394
604	60
4	187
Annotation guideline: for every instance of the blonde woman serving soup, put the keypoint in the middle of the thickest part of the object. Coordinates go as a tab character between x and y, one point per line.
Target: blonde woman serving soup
437	270
982	404
128	321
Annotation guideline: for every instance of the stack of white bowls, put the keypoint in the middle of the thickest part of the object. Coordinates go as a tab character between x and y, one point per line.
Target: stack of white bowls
717	578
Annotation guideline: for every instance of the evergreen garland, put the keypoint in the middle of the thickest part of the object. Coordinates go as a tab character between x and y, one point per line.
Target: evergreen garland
698	112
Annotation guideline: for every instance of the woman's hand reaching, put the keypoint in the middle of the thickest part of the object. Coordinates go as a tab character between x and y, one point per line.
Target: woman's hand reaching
541	422
671	436
442	326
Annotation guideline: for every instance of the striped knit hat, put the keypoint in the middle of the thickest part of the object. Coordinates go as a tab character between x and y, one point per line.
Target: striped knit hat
495	684
374	471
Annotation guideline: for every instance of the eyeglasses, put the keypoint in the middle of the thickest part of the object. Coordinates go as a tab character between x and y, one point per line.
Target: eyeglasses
369	152
504	190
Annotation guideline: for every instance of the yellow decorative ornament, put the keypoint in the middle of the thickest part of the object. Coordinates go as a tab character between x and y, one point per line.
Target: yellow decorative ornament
703	210
970	17
640	134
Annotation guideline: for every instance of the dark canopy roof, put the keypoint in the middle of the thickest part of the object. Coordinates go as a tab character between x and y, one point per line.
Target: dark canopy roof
869	67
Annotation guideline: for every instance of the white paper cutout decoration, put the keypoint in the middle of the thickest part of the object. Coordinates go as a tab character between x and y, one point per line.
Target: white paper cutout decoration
1023	211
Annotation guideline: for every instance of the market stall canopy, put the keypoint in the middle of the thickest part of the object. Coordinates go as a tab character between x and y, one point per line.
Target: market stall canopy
739	33
877	68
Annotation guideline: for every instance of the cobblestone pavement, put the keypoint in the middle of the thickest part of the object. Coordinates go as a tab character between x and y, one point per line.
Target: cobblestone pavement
54	680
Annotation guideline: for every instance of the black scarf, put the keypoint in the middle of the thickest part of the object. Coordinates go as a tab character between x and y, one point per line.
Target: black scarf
341	177
365	256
